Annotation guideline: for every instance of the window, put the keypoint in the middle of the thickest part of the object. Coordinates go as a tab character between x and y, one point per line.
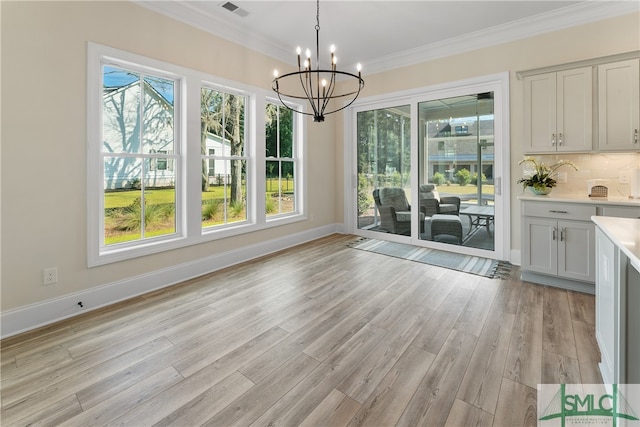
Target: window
224	192
280	161
160	176
139	191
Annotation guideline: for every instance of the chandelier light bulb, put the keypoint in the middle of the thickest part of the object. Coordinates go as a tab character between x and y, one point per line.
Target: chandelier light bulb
332	49
298	50
308	53
306	63
359	67
275	73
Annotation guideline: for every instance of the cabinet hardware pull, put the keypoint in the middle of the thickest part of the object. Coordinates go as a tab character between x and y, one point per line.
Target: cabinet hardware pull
635	136
555	211
559	139
553	139
562	234
553	235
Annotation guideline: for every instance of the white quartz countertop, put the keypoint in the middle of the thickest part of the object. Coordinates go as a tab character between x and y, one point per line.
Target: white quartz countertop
574	198
624	233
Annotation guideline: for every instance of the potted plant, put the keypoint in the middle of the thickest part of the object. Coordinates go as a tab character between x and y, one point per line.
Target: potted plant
542	181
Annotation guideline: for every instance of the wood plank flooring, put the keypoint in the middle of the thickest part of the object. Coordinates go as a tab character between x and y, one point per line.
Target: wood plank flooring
317	335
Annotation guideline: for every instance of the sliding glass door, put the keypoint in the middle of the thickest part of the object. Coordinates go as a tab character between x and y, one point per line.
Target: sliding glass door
428	170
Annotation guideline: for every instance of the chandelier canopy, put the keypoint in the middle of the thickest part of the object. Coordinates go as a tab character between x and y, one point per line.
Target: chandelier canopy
318	86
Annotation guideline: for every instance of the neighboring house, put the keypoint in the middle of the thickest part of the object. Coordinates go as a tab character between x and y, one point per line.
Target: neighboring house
456	145
122	135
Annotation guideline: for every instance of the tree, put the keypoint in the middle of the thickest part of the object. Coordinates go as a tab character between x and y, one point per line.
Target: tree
222	114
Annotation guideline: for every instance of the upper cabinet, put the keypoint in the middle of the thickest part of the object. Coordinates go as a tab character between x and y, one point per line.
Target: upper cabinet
619	106
586	106
558	111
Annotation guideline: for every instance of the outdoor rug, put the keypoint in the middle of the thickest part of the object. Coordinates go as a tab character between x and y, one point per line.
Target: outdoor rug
466	263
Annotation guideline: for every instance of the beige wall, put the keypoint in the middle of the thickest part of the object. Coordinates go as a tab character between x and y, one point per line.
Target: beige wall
44	126
43	170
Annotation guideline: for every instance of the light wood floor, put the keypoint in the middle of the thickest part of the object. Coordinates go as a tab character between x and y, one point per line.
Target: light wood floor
318	335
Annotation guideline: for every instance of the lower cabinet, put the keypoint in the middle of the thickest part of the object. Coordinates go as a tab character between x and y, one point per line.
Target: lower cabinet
560	248
559	241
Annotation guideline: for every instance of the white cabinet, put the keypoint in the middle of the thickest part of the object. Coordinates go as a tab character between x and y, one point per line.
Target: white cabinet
617	300
562	248
619	106
607	306
558	111
558	244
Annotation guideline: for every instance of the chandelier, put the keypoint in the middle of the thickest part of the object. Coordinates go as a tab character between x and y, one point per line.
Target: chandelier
318	86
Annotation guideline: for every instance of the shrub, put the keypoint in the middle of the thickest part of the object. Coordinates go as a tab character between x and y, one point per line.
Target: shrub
236	208
474	178
438	178
270	205
463	176
130	217
210	209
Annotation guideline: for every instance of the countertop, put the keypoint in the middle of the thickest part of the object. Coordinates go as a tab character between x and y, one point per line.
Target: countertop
573	198
624	233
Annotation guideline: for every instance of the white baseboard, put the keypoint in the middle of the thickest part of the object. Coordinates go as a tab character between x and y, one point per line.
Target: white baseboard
43	313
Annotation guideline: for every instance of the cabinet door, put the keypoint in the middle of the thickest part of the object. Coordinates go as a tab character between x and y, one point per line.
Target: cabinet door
539	113
576	247
619	105
540	248
574	129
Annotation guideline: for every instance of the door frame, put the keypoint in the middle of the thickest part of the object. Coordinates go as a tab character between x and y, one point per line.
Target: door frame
497	83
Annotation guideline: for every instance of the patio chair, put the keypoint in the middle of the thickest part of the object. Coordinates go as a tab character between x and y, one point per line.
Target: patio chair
431	203
395	211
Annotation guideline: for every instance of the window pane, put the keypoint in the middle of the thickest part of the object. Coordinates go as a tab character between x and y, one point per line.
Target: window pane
384	167
122	200
121	111
280	187
159	202
237	201
158	131
225	200
286	133
222	120
456	161
271	130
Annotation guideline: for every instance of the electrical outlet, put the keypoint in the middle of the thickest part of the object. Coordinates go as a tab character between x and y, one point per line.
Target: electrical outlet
50	276
561	177
624	177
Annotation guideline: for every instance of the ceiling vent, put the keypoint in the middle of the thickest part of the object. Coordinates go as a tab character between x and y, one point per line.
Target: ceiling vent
234	9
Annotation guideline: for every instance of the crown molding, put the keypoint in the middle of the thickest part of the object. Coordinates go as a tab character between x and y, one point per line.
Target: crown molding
570	16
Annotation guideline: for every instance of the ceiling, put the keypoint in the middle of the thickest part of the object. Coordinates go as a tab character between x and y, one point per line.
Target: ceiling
383	34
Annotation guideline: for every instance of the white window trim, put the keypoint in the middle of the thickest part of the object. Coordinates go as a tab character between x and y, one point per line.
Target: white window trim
189	229
298	165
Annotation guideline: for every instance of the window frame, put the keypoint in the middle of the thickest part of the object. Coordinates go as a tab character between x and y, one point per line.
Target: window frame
187	158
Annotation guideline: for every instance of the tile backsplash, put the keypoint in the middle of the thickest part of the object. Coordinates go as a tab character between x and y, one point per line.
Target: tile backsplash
592	166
